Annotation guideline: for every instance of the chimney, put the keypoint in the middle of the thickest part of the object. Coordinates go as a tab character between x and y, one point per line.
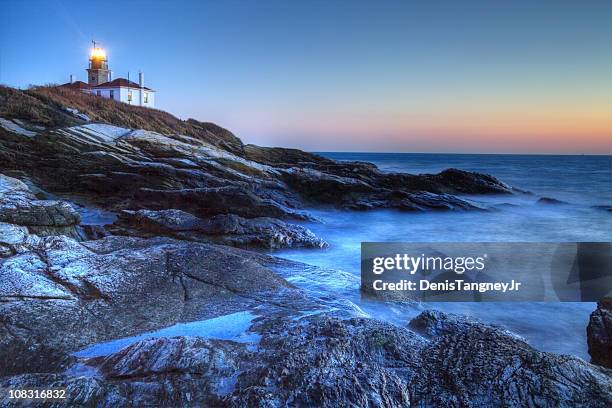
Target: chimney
141	83
71	78
110	75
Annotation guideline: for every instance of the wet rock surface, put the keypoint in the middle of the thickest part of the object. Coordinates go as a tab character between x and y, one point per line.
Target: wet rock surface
472	364
327	361
599	334
58	295
227	229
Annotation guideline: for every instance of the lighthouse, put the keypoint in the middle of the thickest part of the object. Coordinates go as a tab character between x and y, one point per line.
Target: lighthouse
98	72
99	82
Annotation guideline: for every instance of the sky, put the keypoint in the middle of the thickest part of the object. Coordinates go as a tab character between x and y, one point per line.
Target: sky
388	76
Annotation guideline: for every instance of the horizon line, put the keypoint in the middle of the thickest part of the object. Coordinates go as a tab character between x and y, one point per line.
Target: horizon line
458	153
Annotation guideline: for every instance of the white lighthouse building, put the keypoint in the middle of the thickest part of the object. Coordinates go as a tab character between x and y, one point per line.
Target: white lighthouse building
99	83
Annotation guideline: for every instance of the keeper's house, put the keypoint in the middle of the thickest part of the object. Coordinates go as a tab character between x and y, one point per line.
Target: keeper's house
120	89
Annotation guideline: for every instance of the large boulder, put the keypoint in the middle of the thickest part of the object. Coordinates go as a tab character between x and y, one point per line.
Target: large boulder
467	363
599	334
468	182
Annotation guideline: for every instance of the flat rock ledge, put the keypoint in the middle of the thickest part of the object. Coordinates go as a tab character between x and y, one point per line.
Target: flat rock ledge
227	229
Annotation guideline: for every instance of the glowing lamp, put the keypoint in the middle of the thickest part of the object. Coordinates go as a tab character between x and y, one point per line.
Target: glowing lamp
98	53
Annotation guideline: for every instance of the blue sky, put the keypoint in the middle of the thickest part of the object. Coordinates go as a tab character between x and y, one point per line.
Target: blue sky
486	76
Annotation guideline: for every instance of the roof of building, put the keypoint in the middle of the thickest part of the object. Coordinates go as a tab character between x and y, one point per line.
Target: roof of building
120	82
115	83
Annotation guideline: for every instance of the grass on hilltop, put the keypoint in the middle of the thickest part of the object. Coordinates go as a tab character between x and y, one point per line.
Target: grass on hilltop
45	106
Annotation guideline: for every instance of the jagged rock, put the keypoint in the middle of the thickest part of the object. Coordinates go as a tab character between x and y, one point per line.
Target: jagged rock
432	201
283	157
326	361
548	200
19	206
217	200
89	232
470	183
11	234
324	187
78	114
58	295
262	231
228	229
162	221
14	126
432	323
364	187
199	167
599	334
472	364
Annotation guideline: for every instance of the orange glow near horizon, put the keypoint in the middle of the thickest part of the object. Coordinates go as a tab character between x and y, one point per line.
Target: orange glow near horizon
521	130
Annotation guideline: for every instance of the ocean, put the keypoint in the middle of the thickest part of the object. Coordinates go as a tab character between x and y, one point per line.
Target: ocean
582	182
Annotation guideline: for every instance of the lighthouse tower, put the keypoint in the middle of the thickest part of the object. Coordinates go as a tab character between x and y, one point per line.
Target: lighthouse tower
119	89
98	72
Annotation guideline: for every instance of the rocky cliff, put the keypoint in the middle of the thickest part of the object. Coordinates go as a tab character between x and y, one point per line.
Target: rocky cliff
190	202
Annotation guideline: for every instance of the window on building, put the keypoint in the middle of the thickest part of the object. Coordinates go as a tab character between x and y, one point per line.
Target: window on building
146	97
99	93
112	94
129	96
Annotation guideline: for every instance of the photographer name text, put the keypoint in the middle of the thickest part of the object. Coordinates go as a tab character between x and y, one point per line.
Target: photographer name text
446	286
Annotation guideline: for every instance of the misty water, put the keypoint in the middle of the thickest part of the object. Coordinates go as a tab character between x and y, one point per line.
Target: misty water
332	274
583	182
